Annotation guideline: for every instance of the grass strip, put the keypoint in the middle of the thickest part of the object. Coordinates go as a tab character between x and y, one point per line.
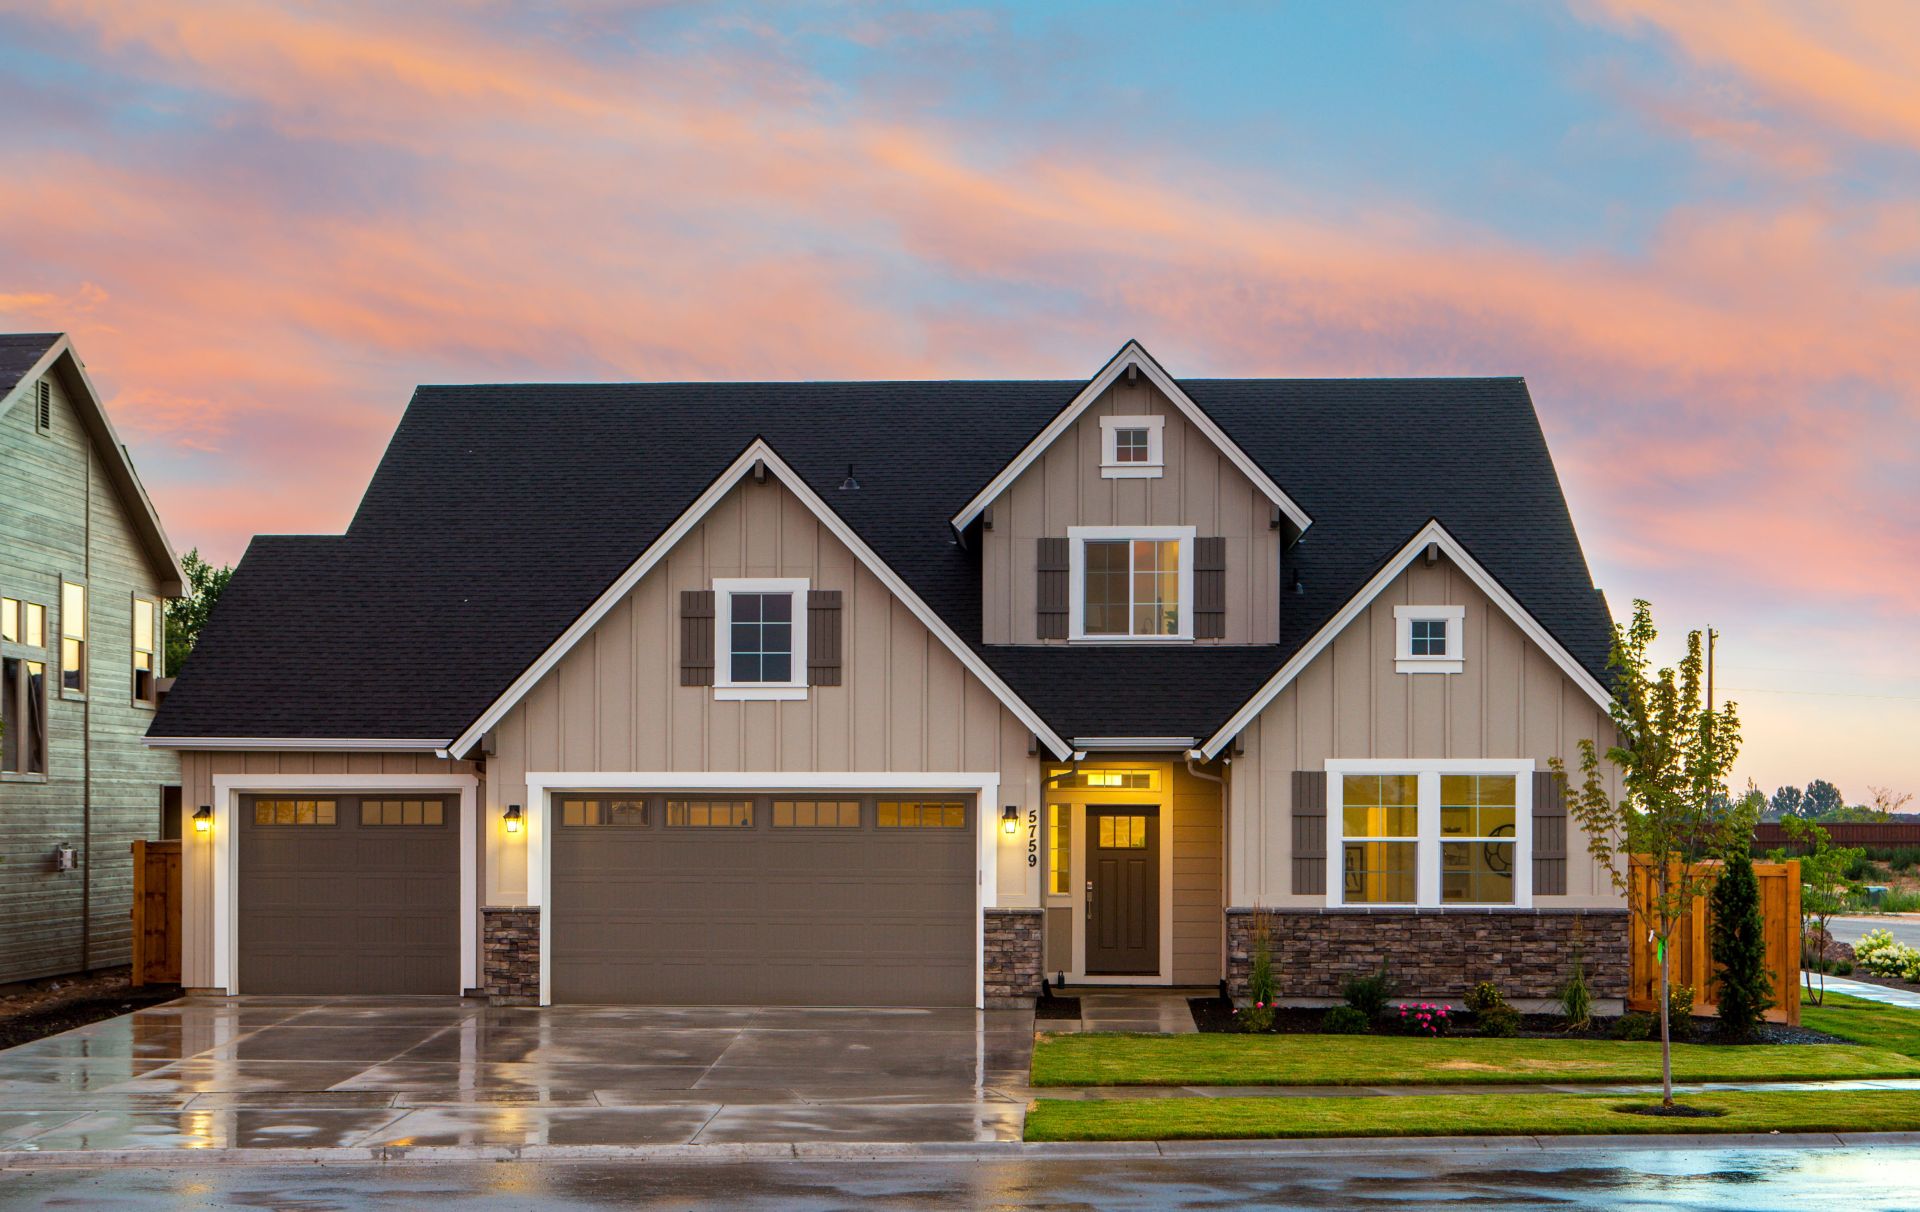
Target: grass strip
1466	1115
1340	1060
1895	1028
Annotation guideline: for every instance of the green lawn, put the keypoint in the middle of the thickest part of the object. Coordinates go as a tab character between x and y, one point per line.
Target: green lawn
1856	1018
1465	1115
1367	1060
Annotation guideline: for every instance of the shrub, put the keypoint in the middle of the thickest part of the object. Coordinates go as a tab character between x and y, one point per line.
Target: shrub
1740	947
1680	1011
1345	1020
1425	1018
1501	1021
1636	1025
1484	996
1576	998
1880	954
1258	1016
1369	994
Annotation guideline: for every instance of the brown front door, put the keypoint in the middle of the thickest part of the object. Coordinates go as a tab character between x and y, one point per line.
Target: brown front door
1123	891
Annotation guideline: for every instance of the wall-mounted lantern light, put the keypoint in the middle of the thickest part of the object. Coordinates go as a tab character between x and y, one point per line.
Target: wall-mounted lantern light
203	818
1010	819
513	818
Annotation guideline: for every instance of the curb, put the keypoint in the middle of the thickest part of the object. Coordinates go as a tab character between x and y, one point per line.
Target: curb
824	1151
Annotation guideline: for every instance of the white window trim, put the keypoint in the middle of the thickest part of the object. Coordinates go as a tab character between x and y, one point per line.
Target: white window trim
1077	537
724	687
1455	659
1110	465
1427	847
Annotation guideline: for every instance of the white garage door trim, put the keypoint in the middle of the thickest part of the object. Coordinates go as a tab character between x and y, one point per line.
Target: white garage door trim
227	790
540	784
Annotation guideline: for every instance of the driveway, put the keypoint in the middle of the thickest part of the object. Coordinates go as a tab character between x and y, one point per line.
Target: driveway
286	1072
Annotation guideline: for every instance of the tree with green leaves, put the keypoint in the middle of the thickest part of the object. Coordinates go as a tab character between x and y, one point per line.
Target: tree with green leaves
1823	890
186	615
1740	938
1785	803
1672	753
1821	799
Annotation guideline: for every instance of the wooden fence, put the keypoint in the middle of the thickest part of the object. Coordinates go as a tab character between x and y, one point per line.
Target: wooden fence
156	913
1771	835
1693	948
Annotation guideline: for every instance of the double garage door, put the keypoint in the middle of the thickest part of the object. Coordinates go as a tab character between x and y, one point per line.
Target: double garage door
654	899
763	900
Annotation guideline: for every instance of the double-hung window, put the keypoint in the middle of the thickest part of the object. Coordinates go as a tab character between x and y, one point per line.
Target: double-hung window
760	638
1130	583
73	638
23	688
146	651
1431	834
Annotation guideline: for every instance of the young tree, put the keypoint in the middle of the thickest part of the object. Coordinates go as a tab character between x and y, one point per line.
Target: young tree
1740	937
187	615
1823	890
1673	754
1821	799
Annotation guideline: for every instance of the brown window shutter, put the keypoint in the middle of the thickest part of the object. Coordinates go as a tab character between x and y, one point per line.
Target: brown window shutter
1549	833
1310	832
696	637
823	637
1050	610
1210	589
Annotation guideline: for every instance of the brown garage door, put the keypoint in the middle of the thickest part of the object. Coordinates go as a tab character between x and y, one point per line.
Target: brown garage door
763	900
349	894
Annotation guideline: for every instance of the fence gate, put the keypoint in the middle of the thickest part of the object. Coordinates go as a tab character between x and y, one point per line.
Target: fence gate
1692	943
156	913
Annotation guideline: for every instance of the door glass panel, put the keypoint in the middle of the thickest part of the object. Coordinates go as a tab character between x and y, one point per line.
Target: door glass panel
1122	832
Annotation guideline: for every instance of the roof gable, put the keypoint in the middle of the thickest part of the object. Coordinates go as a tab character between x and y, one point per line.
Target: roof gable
1131	357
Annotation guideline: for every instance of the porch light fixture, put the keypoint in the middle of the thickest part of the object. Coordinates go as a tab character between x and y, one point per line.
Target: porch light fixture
1010	819
513	818
203	818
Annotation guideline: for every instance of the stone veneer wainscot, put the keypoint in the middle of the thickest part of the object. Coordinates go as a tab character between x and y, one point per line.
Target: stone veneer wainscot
510	956
1015	939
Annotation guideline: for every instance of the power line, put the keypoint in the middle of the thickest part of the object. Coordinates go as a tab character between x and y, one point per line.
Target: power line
1824	694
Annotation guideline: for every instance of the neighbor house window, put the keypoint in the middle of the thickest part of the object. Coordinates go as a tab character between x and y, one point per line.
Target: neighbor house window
1438	833
1130	583
710	814
1131	447
1060	849
760	638
146	666
23	623
73	638
23	714
1429	639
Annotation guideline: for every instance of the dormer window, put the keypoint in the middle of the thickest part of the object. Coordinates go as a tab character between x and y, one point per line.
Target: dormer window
1130	583
1429	639
1130	447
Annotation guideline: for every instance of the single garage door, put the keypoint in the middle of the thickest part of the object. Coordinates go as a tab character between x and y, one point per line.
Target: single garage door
763	900
349	894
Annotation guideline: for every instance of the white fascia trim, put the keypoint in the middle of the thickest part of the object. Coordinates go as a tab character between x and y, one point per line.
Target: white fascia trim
227	790
1132	354
756	452
1432	532
385	744
1077	537
1428	876
985	786
724	687
1107	743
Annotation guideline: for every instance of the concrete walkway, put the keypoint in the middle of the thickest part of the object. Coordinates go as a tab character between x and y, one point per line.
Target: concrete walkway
1871	993
1148	1011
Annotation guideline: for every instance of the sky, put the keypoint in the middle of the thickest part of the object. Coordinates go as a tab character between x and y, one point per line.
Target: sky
1693	226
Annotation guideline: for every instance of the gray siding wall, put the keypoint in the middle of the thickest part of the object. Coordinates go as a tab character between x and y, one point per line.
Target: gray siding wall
1511	701
1064	488
60	518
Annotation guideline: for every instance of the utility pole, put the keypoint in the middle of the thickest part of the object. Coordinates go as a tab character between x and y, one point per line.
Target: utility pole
1712	635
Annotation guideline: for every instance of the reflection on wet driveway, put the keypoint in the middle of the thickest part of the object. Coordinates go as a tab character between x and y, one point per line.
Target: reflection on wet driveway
288	1072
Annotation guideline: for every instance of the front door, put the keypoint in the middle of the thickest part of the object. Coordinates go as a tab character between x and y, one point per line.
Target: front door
1123	891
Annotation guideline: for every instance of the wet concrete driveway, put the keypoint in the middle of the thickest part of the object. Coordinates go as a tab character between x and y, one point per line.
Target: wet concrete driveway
278	1073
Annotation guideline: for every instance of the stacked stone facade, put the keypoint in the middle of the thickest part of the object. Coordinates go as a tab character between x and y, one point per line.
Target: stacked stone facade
510	956
1015	950
1527	952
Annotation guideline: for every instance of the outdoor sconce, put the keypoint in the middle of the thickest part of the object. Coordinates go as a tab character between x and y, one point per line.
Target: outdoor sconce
203	818
513	818
1010	819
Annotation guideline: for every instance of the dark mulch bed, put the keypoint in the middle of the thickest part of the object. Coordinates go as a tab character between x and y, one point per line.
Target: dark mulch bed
1216	1014
1056	1007
1677	1111
34	1010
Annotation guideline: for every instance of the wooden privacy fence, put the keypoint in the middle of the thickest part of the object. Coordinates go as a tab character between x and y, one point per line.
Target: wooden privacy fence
156	913
1771	835
1692	943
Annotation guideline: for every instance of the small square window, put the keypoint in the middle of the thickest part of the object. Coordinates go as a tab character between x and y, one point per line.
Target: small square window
1429	637
1130	446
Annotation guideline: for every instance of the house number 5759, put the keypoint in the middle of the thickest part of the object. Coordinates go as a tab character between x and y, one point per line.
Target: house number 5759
1033	837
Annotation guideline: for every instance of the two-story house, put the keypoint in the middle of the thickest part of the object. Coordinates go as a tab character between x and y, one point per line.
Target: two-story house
908	692
85	573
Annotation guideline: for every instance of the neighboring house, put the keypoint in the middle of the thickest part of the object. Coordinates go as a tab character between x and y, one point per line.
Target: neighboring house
85	573
908	693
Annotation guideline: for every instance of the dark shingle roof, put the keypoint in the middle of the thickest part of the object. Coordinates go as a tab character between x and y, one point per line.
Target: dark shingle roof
18	352
500	512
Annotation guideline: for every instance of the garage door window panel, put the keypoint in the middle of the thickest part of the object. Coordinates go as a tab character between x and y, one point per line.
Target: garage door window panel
591	813
295	812
402	812
921	814
709	814
816	814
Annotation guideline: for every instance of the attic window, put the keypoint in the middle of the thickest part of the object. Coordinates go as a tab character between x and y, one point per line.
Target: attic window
1131	447
1429	639
43	406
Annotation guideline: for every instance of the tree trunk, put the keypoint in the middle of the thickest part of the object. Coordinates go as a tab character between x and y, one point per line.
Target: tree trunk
1666	1028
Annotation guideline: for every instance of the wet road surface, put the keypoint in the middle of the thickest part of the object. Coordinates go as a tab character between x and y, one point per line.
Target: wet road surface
1859	1180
